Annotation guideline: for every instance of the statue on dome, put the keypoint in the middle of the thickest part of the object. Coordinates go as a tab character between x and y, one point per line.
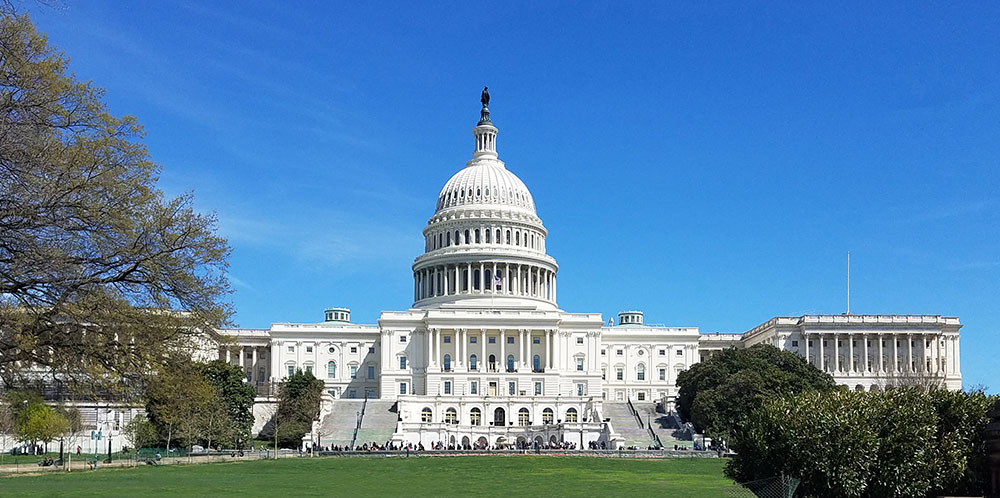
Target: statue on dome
485	99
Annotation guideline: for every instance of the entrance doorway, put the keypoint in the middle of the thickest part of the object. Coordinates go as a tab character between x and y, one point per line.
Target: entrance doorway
499	417
493	388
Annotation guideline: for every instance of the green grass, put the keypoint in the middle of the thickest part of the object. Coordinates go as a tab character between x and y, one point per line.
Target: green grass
414	476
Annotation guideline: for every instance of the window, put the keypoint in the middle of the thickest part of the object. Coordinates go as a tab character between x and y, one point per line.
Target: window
472	362
536	340
663	374
547	416
579	389
354	371
309	349
510	340
474	387
619	374
536	363
451	416
604	374
510	363
354	349
447	387
538	388
604	352
371	372
493	340
447	362
447	339
402	339
640	372
475	416
291	370
332	350
579	364
402	388
795	344
402	363
331	369
663	352
371	349
353	393
511	388
642	396
291	349
579	340
522	417
571	415
425	415
620	352
680	352
472	340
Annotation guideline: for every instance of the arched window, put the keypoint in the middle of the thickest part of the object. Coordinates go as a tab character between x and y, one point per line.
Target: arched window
426	415
640	372
475	416
477	235
498	236
448	242
547	416
457	239
472	361
493	362
510	363
331	369
517	238
466	240
489	237
479	192
571	415
447	362
451	416
508	237
522	417
536	363
440	240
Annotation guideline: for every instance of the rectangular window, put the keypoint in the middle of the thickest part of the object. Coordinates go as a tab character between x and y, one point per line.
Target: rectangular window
402	339
579	340
474	387
447	387
353	393
402	388
663	352
309	369
354	371
538	388
371	372
619	374
510	340
472	339
291	349
579	364
447	339
579	389
354	349
402	363
663	374
619	352
680	352
291	370
371	349
604	352
309	349
512	388
795	344
536	340
493	340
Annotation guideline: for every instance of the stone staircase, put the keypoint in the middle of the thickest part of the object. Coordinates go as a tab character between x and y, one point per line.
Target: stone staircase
379	422
624	424
338	427
664	426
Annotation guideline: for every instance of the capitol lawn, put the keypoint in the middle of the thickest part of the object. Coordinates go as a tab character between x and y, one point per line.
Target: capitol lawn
414	476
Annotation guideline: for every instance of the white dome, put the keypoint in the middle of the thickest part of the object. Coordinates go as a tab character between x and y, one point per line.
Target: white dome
485	183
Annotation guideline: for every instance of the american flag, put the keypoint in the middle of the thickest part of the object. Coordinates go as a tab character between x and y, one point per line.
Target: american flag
496	280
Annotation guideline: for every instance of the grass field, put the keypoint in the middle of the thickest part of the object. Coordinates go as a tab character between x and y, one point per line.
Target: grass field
415	476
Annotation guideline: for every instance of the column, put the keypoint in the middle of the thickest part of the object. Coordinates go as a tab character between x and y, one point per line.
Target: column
806	339
502	360
482	350
850	351
881	354
822	355
416	295
254	375
836	353
493	280
506	279
229	359
482	278
909	353
521	339
548	350
957	360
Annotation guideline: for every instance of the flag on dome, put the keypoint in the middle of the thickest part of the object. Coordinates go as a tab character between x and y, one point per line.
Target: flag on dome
496	279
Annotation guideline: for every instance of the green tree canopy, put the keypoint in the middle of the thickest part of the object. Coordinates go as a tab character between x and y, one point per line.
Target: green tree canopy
237	395
299	398
177	401
899	443
718	393
139	432
100	273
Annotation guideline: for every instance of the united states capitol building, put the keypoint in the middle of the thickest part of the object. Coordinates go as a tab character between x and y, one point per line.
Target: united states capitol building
486	356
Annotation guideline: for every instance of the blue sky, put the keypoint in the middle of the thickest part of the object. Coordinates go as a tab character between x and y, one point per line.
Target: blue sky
711	166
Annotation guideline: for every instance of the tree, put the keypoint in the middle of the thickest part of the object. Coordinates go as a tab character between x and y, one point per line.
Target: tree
717	394
299	398
100	274
8	425
176	400
40	422
139	432
900	443
238	396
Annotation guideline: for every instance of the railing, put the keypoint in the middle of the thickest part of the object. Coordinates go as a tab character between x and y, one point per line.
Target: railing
652	435
361	416
635	414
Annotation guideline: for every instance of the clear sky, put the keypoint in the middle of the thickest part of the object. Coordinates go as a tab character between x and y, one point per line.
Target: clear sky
711	166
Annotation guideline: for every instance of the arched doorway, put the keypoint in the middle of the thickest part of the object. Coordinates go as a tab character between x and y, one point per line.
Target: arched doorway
539	441
553	441
465	442
493	363
499	418
482	443
452	441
